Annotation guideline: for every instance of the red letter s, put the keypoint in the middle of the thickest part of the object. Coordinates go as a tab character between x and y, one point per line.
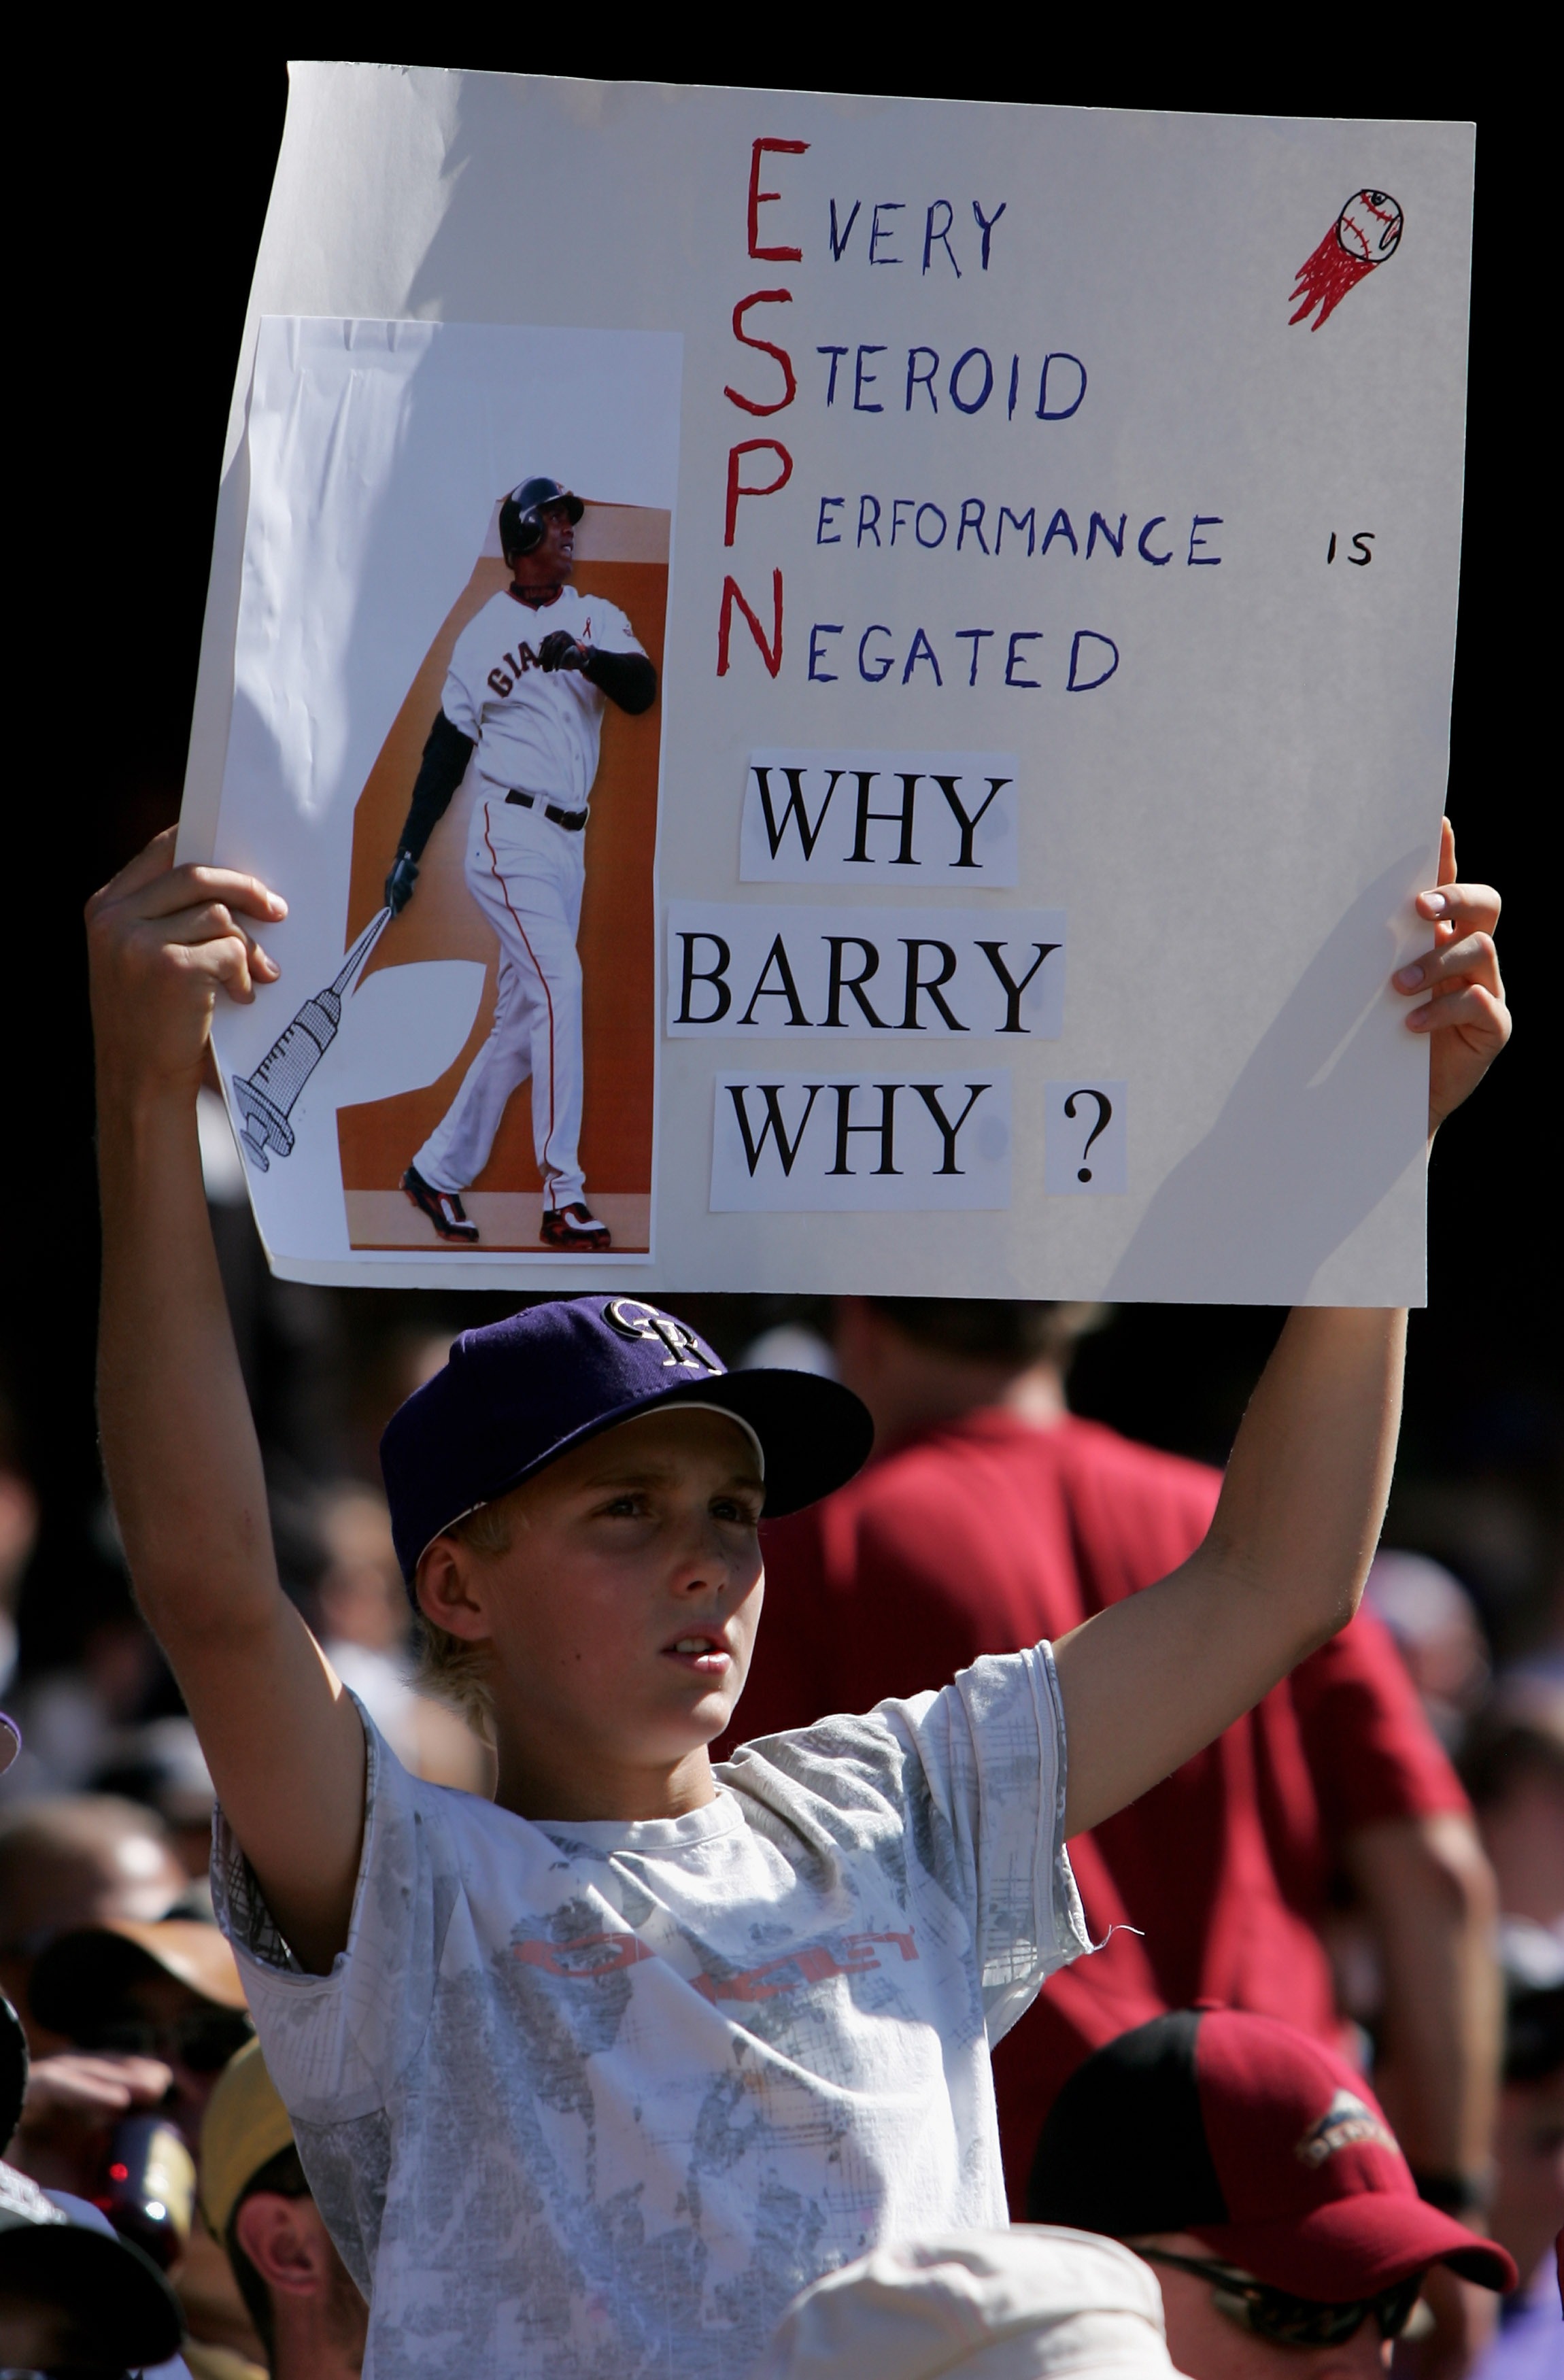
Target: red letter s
764	297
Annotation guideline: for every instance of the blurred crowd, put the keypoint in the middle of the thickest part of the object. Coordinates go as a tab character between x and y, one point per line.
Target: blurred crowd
138	2095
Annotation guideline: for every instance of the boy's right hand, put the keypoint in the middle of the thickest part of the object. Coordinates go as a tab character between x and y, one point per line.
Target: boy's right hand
162	940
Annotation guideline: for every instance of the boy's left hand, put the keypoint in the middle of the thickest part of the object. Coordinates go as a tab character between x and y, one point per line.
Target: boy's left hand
1465	1015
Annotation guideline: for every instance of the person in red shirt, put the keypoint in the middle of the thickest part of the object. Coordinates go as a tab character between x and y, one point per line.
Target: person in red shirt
991	1516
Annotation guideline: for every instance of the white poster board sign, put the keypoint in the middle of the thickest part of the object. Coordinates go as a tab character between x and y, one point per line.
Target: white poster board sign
1044	528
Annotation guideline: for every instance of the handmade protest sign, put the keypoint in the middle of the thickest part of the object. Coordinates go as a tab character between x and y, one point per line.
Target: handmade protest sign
846	693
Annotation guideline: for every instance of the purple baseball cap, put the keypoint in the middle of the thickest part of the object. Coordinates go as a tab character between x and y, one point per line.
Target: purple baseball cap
515	1396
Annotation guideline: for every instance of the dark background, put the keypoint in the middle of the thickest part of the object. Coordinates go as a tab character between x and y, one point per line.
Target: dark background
160	180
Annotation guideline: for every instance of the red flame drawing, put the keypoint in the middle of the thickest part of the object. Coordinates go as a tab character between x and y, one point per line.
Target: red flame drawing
1367	232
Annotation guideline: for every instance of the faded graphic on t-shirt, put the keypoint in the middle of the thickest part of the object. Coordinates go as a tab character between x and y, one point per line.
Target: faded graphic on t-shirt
594	2101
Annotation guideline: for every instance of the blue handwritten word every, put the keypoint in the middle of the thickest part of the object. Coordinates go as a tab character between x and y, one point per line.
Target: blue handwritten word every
912	520
966	385
884	241
1094	658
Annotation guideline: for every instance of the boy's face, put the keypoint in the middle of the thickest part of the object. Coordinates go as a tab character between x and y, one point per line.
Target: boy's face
622	1615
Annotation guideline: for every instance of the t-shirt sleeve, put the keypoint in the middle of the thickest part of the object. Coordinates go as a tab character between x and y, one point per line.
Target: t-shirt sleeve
462	701
610	632
336	2044
987	1791
1371	1751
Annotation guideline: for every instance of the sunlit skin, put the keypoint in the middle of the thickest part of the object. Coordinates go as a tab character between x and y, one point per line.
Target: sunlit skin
320	2321
621	1618
538	576
1207	2344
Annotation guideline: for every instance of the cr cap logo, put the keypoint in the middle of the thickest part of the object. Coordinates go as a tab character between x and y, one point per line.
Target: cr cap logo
1345	2123
632	1320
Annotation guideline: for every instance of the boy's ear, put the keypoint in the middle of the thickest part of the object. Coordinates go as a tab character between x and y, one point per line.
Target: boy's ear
444	1585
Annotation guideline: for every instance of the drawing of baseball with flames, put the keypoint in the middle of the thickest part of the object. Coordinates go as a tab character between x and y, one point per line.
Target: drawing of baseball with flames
1366	233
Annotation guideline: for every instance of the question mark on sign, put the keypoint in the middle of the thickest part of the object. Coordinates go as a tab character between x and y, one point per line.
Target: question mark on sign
1104	1111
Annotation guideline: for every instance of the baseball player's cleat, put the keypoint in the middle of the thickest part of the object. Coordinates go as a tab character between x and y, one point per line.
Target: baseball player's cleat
574	1227
443	1207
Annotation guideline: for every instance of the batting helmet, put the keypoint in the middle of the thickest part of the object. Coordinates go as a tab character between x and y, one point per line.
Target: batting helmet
521	514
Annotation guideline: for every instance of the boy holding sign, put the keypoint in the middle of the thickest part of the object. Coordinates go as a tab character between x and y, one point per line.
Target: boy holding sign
595	2078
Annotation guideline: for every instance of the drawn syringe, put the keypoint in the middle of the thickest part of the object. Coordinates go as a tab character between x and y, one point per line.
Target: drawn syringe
265	1098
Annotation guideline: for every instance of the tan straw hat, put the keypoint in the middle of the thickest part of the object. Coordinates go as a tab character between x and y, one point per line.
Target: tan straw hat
245	2125
987	2305
68	1982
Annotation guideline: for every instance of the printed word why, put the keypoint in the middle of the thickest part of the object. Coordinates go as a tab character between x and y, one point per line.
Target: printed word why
835	1144
847	818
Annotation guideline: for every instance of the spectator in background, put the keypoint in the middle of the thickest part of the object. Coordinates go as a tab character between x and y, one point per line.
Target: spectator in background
82	1859
73	2298
169	1992
987	2305
1252	2171
18	1535
161	1764
154	2014
73	1712
1514	1766
302	2301
1528	2209
1433	1622
365	1625
991	1516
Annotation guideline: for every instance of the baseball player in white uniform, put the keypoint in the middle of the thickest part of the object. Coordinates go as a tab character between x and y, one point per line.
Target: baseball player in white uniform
526	686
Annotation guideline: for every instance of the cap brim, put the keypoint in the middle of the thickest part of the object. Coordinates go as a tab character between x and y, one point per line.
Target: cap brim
114	2290
66	1983
1357	2245
814	1433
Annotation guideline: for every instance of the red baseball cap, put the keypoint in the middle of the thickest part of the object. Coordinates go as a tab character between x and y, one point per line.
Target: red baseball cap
1259	2140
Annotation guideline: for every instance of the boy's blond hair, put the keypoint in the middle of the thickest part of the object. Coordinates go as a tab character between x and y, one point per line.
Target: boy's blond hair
448	1667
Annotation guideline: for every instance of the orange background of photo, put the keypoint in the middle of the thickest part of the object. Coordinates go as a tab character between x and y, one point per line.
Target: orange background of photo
621	554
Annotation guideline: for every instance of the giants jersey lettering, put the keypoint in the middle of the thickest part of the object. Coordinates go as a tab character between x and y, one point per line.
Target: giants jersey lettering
535	729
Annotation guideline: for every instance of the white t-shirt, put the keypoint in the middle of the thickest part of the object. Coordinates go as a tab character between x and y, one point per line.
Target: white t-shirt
593	2102
537	730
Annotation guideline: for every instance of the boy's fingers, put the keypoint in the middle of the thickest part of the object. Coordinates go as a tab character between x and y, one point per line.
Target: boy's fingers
153	861
1462	905
1475	956
1474	1006
189	888
224	960
1446	871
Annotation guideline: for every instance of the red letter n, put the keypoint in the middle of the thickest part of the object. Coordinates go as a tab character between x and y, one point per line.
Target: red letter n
759	198
770	653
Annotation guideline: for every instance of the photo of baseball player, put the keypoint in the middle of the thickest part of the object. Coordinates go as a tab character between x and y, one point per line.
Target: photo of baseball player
526	691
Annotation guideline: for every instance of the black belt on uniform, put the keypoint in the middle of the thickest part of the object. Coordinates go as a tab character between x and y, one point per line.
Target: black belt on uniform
572	820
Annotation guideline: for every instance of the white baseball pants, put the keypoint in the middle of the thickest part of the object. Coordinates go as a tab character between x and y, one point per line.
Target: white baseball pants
527	876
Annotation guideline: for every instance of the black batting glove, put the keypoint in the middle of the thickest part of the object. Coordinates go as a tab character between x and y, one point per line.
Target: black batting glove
560	650
400	882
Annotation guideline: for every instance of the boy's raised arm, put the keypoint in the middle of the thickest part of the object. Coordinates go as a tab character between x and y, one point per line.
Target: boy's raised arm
1149	1681
283	1741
